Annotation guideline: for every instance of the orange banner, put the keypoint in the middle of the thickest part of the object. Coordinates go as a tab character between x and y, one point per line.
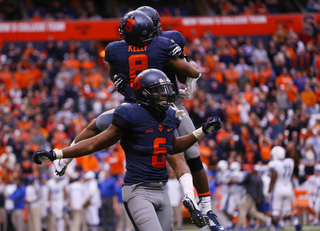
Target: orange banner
108	29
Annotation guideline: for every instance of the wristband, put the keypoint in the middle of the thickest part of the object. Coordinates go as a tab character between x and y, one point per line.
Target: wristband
198	133
59	153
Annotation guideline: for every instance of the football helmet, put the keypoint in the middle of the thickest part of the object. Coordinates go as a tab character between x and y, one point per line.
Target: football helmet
222	165
278	153
235	166
153	89
153	14
136	28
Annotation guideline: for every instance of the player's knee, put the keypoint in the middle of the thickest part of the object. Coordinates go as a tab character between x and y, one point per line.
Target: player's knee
178	164
195	164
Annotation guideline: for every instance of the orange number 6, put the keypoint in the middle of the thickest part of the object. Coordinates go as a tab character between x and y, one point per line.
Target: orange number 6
159	150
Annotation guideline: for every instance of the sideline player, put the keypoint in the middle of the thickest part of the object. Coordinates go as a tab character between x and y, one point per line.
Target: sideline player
223	177
146	132
280	193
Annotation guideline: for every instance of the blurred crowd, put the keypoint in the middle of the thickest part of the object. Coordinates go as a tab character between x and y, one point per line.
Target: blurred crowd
37	10
266	90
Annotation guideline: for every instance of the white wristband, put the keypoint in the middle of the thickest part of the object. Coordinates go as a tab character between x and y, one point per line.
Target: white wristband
59	153
199	133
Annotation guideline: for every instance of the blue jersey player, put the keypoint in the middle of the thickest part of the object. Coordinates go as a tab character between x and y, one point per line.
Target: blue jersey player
129	59
142	49
191	155
146	133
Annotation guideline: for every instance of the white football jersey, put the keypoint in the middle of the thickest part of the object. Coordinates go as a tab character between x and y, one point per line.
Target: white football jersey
92	190
76	195
56	189
284	169
223	178
239	177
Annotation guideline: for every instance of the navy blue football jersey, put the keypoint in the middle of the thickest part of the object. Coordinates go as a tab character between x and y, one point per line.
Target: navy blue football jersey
130	60
145	141
177	37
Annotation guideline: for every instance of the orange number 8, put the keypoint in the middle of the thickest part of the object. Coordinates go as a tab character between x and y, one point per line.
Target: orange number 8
137	63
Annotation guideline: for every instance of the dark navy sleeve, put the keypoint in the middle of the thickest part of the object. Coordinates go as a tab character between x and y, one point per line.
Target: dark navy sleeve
175	36
107	54
172	113
164	45
111	47
121	117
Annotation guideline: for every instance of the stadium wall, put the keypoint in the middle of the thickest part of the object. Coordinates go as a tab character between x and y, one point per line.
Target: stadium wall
107	29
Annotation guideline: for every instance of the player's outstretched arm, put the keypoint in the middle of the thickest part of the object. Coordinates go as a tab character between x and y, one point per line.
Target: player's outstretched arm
85	147
182	143
62	164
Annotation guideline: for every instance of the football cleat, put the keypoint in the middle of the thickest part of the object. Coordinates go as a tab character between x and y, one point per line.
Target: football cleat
212	222
196	217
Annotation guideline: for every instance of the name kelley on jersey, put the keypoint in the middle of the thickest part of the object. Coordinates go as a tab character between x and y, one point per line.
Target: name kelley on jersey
132	48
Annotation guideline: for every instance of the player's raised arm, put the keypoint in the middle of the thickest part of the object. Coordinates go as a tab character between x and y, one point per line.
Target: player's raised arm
182	143
84	147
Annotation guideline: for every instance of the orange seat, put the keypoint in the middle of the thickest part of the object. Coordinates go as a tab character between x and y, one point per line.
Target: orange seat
301	203
300	192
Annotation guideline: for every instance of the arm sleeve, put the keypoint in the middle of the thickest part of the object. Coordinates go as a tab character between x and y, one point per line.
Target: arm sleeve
121	118
107	54
17	194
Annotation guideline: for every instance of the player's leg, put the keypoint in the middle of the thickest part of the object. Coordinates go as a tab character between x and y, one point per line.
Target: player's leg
254	213
232	206
163	205
192	156
276	203
246	204
182	171
97	125
199	174
316	208
140	209
286	211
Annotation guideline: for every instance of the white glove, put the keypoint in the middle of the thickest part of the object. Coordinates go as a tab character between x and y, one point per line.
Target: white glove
183	94
61	165
179	113
191	84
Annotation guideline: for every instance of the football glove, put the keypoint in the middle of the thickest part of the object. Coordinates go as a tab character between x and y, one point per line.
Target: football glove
214	124
183	93
191	84
43	156
174	50
179	113
61	165
120	81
